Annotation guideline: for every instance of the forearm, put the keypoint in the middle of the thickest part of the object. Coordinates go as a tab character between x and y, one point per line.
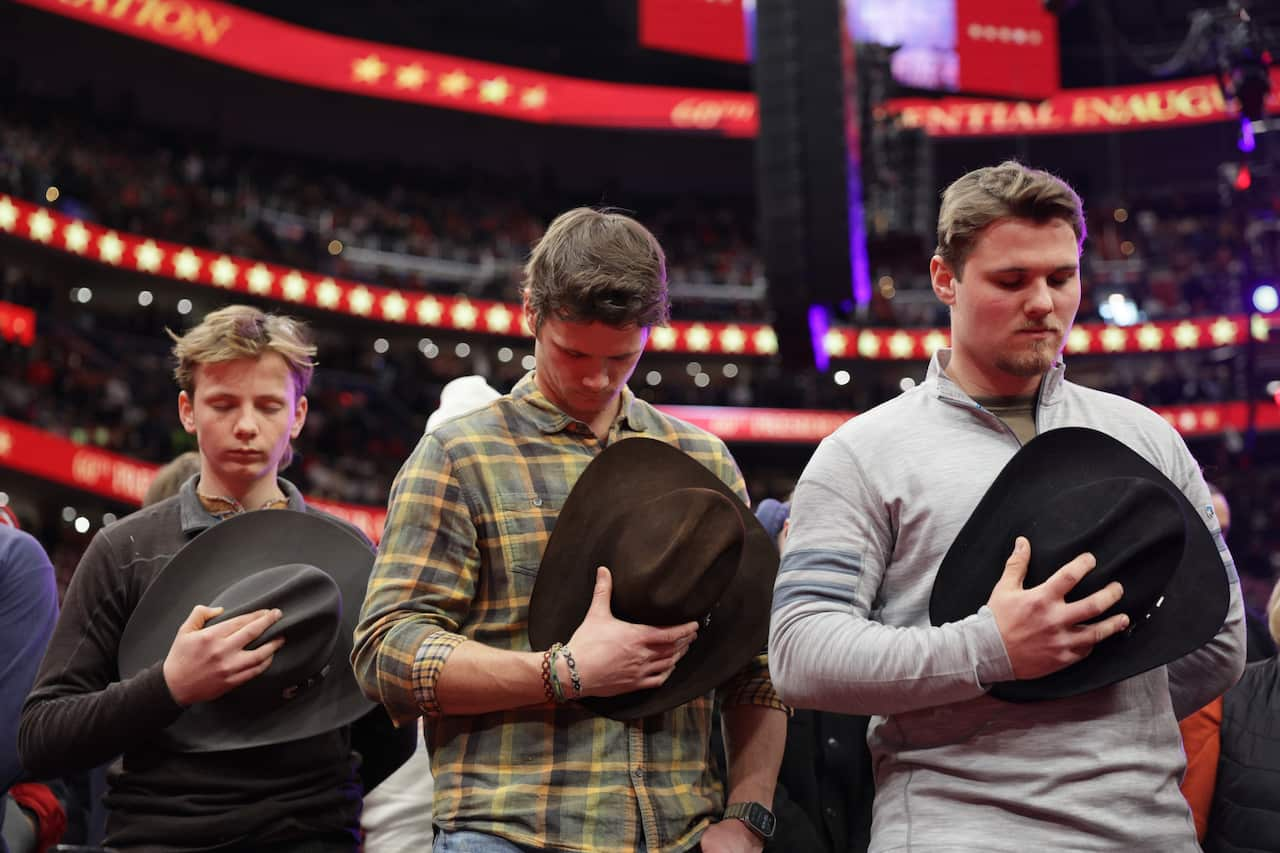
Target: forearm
478	679
831	660
755	736
63	732
1197	679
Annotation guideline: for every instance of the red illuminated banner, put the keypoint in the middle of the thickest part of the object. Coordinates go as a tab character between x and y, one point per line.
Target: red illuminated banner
1195	100
458	313
711	28
261	45
17	324
111	475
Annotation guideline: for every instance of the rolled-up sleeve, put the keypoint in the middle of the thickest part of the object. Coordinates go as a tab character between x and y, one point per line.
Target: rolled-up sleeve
421	588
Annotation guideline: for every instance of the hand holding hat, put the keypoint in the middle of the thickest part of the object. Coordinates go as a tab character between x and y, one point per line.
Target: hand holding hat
682	550
614	656
209	660
1100	519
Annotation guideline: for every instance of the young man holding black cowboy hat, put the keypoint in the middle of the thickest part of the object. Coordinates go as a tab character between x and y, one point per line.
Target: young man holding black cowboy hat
1026	624
568	705
205	642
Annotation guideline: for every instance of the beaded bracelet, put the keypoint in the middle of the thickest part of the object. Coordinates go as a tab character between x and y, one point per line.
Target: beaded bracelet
573	672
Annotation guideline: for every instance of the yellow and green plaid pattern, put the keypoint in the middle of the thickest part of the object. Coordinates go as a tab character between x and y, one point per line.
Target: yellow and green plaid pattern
469	516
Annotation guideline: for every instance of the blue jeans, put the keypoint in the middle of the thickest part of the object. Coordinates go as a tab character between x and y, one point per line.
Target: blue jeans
478	842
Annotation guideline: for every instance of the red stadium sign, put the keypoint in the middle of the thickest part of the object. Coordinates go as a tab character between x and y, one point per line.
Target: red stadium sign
261	45
714	29
1196	100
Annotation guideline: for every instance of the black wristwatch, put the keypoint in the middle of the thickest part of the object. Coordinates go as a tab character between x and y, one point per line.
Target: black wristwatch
757	818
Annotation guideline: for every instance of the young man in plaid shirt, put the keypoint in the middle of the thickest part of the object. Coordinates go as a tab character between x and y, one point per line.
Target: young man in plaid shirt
443	632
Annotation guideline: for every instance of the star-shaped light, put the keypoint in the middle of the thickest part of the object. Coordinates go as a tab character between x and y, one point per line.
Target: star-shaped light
533	98
224	272
6	442
360	300
455	83
766	341
1187	421
464	315
110	248
394	307
260	279
411	76
328	294
40	225
835	342
149	256
664	338
733	339
498	319
368	69
698	337
901	345
76	237
1113	339
933	342
294	286
1150	337
430	311
186	264
1186	335
8	214
495	91
1211	419
1078	340
868	344
1224	332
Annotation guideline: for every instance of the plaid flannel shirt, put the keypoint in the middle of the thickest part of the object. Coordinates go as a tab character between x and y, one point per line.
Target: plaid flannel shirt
469	516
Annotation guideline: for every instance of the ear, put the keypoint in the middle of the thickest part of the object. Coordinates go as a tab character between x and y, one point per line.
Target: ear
299	417
530	317
944	280
186	412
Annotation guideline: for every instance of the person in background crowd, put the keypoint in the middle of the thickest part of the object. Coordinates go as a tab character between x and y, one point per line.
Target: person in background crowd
28	612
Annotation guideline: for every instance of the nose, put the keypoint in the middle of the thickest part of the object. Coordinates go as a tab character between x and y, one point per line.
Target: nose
597	380
1039	300
246	424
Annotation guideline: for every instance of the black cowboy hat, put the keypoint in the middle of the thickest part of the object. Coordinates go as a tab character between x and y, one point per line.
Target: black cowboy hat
682	547
311	568
1074	490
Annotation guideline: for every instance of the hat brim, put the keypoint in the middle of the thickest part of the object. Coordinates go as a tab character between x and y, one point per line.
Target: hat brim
627	474
215	559
1195	601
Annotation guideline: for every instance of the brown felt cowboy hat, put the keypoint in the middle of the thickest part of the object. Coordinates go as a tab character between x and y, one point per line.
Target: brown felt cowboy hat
1074	490
315	571
682	547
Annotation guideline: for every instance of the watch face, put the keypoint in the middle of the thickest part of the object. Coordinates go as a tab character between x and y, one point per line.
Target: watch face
763	820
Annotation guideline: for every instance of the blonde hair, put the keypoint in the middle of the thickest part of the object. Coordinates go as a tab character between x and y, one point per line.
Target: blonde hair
597	266
1008	191
242	331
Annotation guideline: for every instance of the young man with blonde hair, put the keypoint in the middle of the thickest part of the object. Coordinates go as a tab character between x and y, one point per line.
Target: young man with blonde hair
243	376
877	509
443	633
